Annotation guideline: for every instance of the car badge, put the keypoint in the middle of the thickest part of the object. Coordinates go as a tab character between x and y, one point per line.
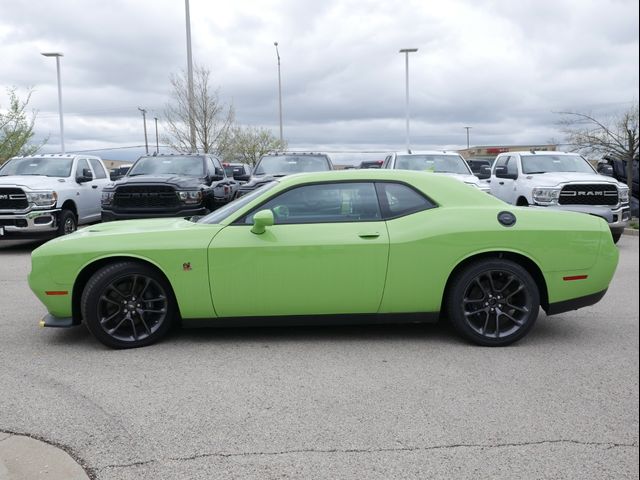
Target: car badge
186	266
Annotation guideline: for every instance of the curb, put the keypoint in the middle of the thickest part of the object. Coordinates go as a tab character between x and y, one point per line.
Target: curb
631	231
24	457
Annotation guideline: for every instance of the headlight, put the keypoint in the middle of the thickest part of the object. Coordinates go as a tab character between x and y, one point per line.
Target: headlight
107	197
42	199
190	197
623	194
546	196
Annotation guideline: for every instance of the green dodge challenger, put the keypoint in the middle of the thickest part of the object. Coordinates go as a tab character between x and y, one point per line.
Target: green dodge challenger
357	246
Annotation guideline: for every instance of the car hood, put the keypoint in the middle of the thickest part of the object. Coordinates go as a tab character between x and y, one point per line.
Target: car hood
253	181
554	178
180	181
33	182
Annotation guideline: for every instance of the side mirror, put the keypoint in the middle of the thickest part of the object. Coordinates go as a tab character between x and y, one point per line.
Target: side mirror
501	172
86	176
485	172
242	178
261	220
605	169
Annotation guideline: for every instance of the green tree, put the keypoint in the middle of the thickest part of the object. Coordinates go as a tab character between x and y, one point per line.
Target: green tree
248	144
213	120
616	136
16	127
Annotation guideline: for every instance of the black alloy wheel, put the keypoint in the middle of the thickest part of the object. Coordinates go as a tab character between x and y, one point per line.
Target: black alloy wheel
128	305
494	302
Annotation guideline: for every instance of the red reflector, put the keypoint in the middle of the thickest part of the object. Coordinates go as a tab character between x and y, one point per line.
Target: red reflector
575	277
57	292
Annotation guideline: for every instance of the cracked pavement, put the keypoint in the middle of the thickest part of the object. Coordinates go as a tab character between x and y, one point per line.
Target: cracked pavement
353	402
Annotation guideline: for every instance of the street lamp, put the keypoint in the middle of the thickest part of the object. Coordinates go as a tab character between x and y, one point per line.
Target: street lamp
279	92
58	55
406	52
144	121
192	125
468	128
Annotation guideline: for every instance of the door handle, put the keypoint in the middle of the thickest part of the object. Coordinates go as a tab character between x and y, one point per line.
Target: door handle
501	183
94	186
369	235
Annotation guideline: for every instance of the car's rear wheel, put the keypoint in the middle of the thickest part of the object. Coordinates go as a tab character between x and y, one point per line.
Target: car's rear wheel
128	305
493	302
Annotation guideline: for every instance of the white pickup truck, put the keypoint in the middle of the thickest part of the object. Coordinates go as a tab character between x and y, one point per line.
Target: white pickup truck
560	180
49	195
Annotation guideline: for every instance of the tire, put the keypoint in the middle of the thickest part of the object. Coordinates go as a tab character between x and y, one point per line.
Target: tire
112	309
67	222
493	302
616	236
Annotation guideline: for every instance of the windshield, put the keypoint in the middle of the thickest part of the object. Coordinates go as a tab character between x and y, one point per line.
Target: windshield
554	163
169	165
288	164
433	163
230	208
45	166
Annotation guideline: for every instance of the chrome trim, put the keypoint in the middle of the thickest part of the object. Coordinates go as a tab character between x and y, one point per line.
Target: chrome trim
30	219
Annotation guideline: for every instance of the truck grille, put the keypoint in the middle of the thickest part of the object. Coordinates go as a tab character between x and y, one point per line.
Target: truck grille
147	196
13	199
589	194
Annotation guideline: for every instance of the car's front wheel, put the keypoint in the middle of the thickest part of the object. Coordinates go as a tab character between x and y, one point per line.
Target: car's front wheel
493	302
128	305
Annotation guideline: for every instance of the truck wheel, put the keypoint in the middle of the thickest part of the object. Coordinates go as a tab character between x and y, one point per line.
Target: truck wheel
128	305
67	222
493	302
616	236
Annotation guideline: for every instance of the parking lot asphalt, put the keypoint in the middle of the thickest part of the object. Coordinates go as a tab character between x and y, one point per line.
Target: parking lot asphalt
330	402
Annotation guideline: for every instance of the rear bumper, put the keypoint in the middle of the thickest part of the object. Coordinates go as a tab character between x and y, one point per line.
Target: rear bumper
575	303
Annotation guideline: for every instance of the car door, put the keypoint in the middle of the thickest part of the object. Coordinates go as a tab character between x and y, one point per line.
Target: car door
326	254
503	185
87	194
100	179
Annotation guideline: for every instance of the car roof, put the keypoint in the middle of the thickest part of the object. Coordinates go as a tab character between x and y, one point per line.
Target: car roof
58	155
428	152
539	152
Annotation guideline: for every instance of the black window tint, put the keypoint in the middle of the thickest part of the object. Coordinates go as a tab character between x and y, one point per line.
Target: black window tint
501	161
97	168
324	203
398	199
82	165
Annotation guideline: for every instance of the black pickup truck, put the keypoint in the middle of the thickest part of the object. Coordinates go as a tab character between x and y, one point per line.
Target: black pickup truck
177	185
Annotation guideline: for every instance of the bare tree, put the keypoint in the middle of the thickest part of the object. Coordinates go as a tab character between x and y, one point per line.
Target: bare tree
616	136
16	128
248	144
213	119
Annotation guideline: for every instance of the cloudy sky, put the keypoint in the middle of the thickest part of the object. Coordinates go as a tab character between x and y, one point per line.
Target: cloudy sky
502	67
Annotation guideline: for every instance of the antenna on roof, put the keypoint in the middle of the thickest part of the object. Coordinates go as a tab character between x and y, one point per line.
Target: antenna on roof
532	151
408	150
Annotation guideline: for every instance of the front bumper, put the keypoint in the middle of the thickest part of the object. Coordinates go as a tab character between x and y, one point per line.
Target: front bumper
36	223
110	215
58	322
617	218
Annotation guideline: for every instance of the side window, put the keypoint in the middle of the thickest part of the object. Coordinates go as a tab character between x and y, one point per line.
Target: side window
323	203
398	199
387	161
501	162
82	164
217	167
512	166
98	171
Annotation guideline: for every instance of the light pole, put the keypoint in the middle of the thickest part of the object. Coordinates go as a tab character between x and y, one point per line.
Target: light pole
406	52
192	126
279	92
144	121
468	128
157	143
58	55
